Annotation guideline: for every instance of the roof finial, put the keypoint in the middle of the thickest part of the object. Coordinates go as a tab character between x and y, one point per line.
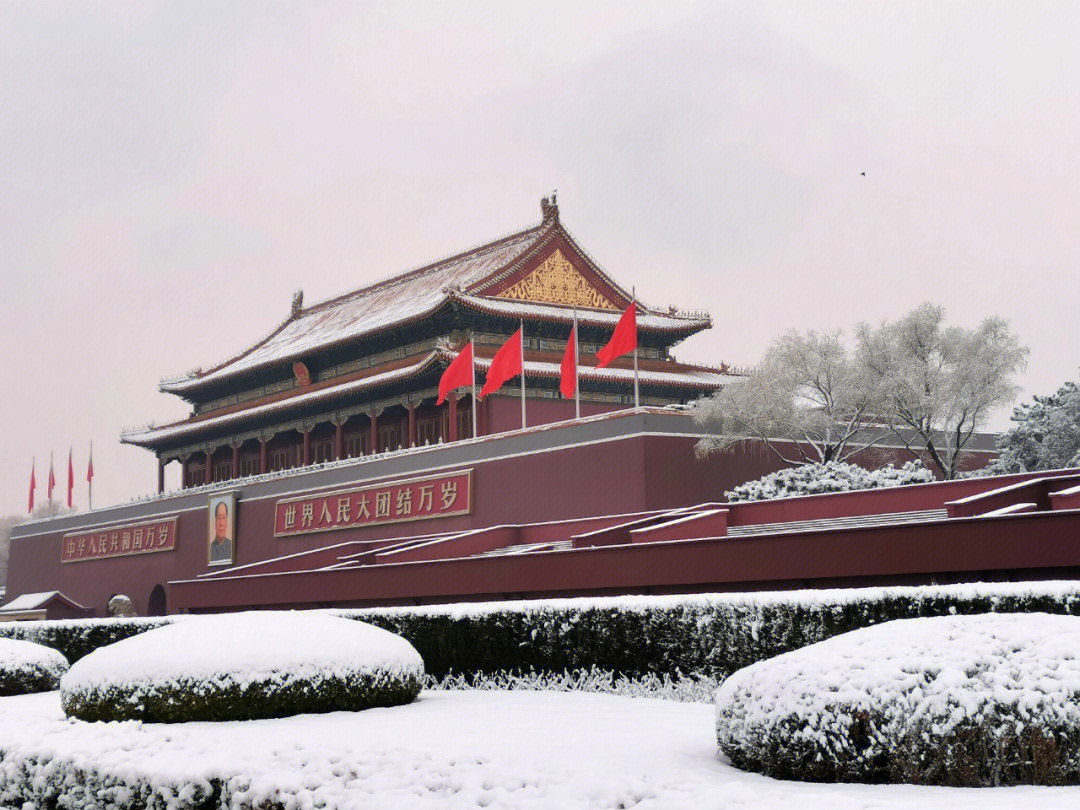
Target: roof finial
549	208
297	302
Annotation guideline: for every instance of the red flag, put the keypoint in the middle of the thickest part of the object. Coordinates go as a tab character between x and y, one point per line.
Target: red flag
506	363
90	467
623	340
568	384
52	478
459	373
71	478
33	485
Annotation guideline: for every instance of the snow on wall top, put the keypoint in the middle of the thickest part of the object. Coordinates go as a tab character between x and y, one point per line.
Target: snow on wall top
369	309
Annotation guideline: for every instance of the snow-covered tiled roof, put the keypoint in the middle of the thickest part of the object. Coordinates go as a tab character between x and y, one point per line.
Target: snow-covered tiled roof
422	292
698	378
370	309
152	435
35	601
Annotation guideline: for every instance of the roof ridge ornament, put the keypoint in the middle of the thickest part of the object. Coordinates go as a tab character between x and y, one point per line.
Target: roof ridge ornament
297	303
549	208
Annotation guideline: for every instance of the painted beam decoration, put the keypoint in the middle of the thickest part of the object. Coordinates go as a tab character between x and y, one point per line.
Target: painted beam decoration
389	502
127	540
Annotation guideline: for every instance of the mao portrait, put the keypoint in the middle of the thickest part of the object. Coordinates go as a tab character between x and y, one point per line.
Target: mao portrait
220	538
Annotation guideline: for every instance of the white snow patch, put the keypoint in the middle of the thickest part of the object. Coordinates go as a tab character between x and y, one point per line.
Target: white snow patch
501	750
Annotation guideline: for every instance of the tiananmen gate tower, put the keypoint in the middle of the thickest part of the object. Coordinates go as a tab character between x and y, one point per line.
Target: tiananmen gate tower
317	470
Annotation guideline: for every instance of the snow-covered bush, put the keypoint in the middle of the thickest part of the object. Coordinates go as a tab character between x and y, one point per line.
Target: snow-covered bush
834	476
74	638
27	667
951	700
244	666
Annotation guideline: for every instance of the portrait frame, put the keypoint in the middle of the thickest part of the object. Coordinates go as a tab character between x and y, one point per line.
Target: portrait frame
228	499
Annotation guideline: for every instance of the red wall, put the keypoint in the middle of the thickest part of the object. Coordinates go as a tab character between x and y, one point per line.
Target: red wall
634	474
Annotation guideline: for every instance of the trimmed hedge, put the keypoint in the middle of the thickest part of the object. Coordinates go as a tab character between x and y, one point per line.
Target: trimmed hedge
244	666
26	667
961	701
711	635
184	700
74	638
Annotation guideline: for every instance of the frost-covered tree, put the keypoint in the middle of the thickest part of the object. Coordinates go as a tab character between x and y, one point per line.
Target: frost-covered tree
936	385
807	402
1045	434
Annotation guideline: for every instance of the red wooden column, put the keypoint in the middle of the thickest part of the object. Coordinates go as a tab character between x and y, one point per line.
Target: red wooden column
264	460
183	471
338	439
208	476
235	461
373	440
412	423
161	476
453	417
307	446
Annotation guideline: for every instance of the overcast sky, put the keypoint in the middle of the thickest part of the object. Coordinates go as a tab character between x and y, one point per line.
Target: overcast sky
171	172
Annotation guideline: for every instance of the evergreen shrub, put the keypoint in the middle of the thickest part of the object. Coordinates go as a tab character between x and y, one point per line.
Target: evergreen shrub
26	667
708	634
74	638
243	666
963	701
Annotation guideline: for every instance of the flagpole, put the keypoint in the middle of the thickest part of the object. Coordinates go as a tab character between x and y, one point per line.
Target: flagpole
90	482
472	348
52	478
637	398
522	333
577	377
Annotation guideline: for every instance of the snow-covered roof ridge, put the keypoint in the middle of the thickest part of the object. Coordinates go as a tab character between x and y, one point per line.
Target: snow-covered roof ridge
392	300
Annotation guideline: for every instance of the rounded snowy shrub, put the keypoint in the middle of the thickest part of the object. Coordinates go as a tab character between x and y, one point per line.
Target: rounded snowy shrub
832	476
244	666
981	700
27	667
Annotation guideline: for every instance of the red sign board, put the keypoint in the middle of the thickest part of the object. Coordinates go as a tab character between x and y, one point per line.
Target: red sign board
120	541
389	502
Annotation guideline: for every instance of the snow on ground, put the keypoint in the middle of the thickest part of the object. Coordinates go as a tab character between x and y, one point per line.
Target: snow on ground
506	750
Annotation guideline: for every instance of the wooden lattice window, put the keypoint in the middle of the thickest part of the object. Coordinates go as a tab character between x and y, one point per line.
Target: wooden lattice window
249	464
280	459
389	436
354	444
428	430
322	451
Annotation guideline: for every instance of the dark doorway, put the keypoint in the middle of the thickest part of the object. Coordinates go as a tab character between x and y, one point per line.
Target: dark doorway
157	602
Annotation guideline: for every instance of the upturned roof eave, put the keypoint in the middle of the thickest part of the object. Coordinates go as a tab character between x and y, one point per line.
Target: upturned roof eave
682	378
681	326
